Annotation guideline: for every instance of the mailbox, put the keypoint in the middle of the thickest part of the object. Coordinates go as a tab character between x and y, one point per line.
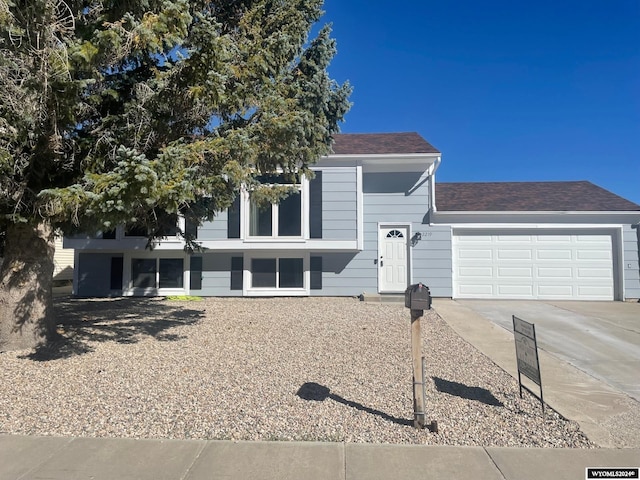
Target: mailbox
417	297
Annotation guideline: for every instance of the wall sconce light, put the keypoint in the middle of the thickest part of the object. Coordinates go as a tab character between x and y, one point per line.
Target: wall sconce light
416	238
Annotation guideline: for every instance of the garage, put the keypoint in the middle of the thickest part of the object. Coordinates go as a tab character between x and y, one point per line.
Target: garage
534	264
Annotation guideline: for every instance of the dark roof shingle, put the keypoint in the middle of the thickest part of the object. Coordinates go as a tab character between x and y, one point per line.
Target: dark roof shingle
380	144
581	196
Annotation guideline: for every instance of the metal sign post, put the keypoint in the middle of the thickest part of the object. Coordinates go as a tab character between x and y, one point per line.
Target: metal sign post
524	334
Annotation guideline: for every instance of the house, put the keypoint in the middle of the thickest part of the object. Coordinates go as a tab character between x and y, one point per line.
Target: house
373	220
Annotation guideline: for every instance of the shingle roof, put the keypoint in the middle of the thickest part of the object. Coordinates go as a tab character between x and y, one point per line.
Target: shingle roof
581	196
381	143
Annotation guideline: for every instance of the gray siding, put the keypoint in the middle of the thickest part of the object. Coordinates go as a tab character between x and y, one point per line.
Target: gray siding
393	198
216	230
631	265
432	259
216	275
339	203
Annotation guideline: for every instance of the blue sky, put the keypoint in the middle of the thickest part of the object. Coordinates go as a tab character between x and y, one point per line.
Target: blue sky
507	91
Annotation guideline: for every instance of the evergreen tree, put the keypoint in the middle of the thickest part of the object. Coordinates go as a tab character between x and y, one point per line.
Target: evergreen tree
128	112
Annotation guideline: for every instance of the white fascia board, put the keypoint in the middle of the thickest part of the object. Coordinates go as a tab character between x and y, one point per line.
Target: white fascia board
533	226
360	208
387	162
570	218
213	246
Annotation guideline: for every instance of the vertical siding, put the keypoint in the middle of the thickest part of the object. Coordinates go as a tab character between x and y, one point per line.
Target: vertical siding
339	203
631	264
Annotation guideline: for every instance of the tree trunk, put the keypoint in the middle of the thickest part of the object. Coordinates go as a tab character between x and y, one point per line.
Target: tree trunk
26	276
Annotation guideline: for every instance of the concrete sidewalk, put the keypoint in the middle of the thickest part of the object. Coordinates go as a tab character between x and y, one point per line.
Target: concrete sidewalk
54	458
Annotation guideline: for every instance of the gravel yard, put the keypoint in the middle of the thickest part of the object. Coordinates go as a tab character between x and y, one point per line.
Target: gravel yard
328	369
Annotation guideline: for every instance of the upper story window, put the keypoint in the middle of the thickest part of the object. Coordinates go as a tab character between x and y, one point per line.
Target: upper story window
299	215
283	219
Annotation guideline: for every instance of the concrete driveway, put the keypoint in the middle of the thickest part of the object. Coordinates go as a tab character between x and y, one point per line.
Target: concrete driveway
600	338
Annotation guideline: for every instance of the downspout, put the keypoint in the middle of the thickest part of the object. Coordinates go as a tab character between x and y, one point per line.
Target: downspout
432	188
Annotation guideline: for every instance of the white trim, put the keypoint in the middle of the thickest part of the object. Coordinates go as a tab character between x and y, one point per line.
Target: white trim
540	212
359	207
381	157
280	244
615	230
409	252
249	291
127	286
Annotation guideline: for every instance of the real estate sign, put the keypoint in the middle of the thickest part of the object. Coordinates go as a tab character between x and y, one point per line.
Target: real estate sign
524	334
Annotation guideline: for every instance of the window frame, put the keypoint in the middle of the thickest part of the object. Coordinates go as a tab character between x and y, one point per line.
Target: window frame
250	290
245	216
128	284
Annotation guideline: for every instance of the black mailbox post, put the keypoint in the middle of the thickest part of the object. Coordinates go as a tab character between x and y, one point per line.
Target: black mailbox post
417	297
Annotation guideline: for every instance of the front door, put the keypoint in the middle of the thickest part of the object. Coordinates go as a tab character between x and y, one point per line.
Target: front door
393	259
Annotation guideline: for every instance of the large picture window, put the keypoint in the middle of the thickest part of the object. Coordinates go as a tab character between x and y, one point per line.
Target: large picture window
282	219
157	273
277	273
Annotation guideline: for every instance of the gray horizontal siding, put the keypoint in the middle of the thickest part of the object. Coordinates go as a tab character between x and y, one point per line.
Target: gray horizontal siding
215	230
216	275
631	263
339	204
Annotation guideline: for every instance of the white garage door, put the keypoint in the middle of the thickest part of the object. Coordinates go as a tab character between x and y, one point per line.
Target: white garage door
536	266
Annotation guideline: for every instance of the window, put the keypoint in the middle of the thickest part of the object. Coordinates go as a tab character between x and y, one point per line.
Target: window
157	273
282	219
277	273
291	273
143	272
171	273
297	216
263	272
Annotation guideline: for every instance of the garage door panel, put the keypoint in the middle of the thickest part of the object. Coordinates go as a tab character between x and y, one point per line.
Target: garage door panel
599	239
553	239
481	272
479	291
512	254
596	292
517	272
558	254
555	273
476	254
515	291
475	239
518	239
584	254
534	266
585	273
554	291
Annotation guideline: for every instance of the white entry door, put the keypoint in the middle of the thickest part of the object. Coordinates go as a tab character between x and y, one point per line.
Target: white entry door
392	259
